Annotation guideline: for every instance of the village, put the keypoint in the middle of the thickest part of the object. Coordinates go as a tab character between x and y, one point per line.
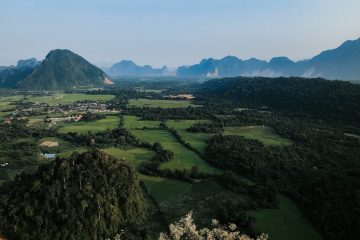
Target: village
60	113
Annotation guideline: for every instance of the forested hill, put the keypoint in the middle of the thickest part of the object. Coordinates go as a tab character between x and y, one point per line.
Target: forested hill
87	196
329	100
64	69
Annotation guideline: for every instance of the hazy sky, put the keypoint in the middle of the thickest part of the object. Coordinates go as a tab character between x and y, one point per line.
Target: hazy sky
175	32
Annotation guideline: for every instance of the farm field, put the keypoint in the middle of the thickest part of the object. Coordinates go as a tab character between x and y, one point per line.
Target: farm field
37	120
285	222
6	106
133	122
109	122
264	134
184	158
67	98
4	114
44	144
163	189
196	140
11	98
134	155
160	103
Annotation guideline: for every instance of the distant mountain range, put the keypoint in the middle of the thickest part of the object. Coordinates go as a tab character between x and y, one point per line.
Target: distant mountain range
340	63
64	69
12	75
129	68
61	69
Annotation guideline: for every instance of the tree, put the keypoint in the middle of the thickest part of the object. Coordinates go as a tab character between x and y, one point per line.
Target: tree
185	229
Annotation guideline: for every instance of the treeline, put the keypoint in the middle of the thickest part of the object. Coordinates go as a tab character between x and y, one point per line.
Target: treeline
112	137
205	127
162	114
89	117
336	101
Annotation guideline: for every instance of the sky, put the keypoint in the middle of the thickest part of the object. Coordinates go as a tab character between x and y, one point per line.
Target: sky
174	32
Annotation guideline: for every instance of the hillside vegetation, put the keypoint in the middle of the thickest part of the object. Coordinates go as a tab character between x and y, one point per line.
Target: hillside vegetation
63	69
87	196
328	100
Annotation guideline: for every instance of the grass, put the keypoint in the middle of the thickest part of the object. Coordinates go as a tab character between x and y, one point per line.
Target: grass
109	122
264	134
162	189
11	98
196	140
4	114
67	98
134	155
184	158
160	103
133	122
4	106
285	222
203	199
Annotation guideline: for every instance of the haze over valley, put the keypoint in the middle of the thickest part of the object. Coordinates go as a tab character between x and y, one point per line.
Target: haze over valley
232	147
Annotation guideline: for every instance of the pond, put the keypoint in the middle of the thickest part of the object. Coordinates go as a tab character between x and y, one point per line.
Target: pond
48	155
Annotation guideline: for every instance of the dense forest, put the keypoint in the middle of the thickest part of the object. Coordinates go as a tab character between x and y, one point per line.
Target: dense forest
319	170
336	101
88	196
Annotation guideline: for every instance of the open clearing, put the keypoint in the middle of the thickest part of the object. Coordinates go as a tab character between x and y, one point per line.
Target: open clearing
160	103
133	122
4	114
196	140
49	144
11	98
110	122
134	155
4	106
163	189
184	158
286	222
67	98
264	134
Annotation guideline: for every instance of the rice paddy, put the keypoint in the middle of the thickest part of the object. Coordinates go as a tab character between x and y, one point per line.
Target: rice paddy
264	134
161	103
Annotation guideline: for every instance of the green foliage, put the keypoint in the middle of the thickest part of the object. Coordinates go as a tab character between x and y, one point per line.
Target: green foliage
135	156
160	103
162	189
336	101
62	69
264	134
313	170
196	140
67	98
133	122
184	158
87	196
284	222
207	200
109	122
